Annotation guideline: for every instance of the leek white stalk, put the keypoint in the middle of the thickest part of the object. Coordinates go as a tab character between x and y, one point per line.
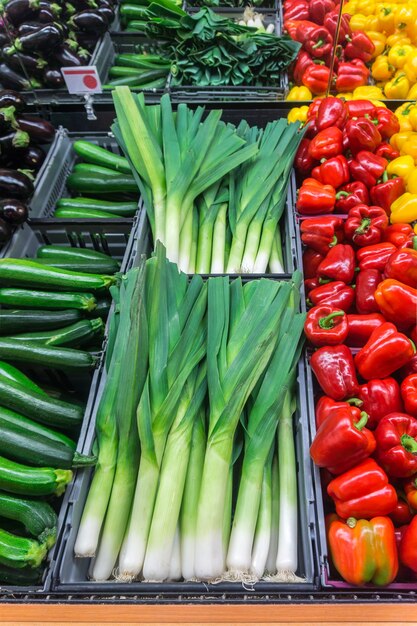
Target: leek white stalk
263	525
276	261
219	241
271	562
175	566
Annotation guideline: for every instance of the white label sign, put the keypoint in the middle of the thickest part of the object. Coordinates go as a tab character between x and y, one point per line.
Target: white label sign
81	80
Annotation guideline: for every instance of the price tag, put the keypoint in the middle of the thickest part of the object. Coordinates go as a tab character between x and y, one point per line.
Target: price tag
80	80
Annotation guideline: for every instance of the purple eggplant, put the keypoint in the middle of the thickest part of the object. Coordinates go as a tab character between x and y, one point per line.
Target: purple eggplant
88	40
13	80
4	40
38	129
7	118
28	27
83	5
53	7
13	211
31	158
66	58
9	98
15	140
33	65
46	38
17	11
53	78
15	184
6	231
107	13
89	21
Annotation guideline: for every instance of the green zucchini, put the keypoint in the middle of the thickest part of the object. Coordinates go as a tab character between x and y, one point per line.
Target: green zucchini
72	254
90	169
136	26
103	307
87	267
18	551
41	408
92	153
93	183
27	273
73	336
124	209
142	61
133	11
140	78
119	70
27	441
37	517
46	356
12	373
20	320
47	299
20	577
91	214
32	481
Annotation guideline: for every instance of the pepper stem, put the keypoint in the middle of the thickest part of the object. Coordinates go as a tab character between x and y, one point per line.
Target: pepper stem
385	176
324	281
363	421
334	241
364	226
415	243
413	344
409	443
351	522
342	194
327	322
318	44
355	401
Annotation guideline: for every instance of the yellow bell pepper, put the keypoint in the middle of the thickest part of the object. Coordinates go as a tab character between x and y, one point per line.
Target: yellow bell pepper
381	69
351	7
358	21
345	95
412	181
399	37
404	209
299	93
386	16
399	139
398	87
409	147
405	17
402	166
366	7
298	114
412	94
403	114
398	54
368	92
410	67
379	40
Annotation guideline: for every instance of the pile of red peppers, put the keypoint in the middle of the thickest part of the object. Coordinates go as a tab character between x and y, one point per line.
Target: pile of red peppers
361	284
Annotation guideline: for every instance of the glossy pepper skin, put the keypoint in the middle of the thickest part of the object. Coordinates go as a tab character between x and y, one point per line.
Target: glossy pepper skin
338	264
360	108
311	261
409	394
385	352
402	514
366	283
316	78
362	135
396	445
359	46
365	224
350	195
404	209
385	193
363	491
380	397
401	235
351	75
363	551
334	369
330	22
367	167
303	161
342	442
336	293
303	61
402	266
361	327
297	11
322	233
326	407
315	198
388	123
319	9
334	171
319	43
397	302
331	112
410	490
326	144
375	256
387	151
408	546
326	326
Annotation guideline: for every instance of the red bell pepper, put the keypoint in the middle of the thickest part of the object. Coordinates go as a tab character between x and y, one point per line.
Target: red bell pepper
319	9
326	326
338	264
350	195
335	293
396	444
320	43
359	46
360	108
331	21
365	224
297	11
331	112
322	233
335	371
410	490
342	442
402	266
305	30
311	261
367	167
326	144
380	397
409	394
315	198
385	352
375	256
401	235
387	122
363	552
361	327
316	78
303	61
334	171
303	161
413	334
408	546
402	514
408	369
351	75
291	27
385	193
326	407
362	135
387	151
397	302
310	284
366	283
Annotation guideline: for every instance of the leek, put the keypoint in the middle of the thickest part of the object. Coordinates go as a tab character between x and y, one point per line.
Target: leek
271	561
262	539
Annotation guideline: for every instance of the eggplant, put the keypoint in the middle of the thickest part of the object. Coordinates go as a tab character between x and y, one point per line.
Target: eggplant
83	5
4	40
15	140
33	65
53	78
53	7
38	129
10	98
15	184
32	158
89	21
46	16
44	38
13	211
66	58
88	40
6	231
17	11
11	79
28	27
107	13
7	118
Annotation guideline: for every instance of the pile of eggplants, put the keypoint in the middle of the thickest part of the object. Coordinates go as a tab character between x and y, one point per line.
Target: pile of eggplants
22	138
38	37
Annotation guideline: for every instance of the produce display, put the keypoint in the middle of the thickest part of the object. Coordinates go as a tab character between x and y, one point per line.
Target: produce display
39	37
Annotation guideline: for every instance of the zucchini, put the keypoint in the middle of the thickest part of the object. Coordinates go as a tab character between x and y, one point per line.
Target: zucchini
32	481
26	441
12	373
88	267
91	214
18	551
72	254
124	209
103	307
141	61
37	517
41	408
92	183
100	156
46	356
133	11
47	299
23	576
73	336
89	169
27	273
141	78
20	320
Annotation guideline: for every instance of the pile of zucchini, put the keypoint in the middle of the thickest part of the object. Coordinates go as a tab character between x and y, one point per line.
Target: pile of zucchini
102	186
50	319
